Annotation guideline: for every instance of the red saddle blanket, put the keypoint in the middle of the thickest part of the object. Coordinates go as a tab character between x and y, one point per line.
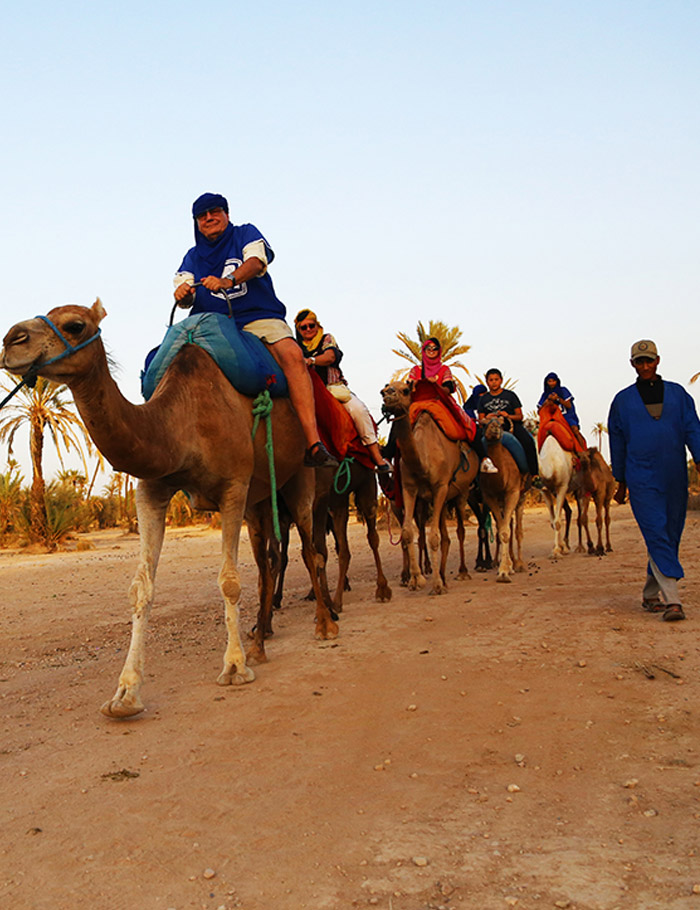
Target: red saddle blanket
335	426
553	423
447	414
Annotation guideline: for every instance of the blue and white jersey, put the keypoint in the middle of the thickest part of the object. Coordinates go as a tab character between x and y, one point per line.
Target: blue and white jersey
251	300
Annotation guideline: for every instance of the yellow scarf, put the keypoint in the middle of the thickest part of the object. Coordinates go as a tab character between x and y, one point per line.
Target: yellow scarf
316	340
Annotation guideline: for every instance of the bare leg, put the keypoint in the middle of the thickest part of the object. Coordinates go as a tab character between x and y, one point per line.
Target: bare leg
288	355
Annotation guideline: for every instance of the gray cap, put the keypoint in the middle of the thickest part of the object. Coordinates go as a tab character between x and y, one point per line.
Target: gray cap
644	348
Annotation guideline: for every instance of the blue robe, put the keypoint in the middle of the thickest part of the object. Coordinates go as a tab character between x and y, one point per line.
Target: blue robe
650	457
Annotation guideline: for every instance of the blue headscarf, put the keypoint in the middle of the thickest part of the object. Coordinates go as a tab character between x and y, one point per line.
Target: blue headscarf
547	390
472	403
210	255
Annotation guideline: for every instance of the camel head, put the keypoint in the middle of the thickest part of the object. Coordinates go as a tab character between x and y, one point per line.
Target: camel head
396	398
35	346
493	429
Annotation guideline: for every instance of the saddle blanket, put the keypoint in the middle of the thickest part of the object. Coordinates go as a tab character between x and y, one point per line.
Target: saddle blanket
444	410
553	423
242	357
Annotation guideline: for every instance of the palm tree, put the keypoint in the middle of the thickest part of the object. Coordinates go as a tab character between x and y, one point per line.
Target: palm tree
10	498
42	408
449	338
598	430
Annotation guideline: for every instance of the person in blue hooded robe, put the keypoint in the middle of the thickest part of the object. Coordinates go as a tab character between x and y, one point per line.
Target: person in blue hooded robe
650	425
226	272
562	397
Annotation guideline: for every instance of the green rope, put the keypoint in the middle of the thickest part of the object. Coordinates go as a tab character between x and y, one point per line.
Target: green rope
262	407
344	472
488	527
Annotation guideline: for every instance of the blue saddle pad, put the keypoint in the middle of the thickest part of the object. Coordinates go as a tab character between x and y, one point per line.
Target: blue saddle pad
515	447
242	357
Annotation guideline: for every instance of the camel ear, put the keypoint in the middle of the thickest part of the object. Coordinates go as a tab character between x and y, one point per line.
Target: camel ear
98	311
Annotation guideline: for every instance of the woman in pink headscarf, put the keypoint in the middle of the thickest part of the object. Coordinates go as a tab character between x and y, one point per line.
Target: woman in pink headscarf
432	368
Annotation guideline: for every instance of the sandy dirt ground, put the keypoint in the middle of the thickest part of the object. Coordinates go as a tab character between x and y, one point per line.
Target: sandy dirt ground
498	746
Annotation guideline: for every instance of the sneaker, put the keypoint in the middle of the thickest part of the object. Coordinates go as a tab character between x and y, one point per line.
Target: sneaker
318	456
488	467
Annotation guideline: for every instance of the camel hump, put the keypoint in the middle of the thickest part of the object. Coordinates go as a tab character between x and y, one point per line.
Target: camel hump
243	358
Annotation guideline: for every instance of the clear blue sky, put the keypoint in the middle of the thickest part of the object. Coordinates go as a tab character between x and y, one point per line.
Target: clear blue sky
526	170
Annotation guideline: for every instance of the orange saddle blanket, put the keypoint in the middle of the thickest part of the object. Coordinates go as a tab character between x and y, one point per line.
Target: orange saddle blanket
553	423
444	410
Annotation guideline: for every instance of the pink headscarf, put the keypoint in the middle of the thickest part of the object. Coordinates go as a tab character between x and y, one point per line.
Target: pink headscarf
431	366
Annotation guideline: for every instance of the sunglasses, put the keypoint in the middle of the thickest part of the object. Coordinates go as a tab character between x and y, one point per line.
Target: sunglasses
306	325
203	215
431	347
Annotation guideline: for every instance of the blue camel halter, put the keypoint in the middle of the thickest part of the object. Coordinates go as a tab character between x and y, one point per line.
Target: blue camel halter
30	377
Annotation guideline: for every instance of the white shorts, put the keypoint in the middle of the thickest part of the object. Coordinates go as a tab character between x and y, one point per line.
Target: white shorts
269	330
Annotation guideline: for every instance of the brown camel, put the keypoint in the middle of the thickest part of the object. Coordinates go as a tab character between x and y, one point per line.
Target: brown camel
434	468
331	504
193	434
594	481
504	494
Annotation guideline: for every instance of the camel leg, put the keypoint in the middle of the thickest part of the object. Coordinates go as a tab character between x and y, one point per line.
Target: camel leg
151	505
234	671
435	539
366	501
463	571
582	522
519	509
550	502
285	529
599	551
567	512
505	567
299	494
416	578
260	531
340	526
608	545
444	547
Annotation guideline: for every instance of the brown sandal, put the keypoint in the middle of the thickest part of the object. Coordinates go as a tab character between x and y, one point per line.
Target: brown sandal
673	613
653	606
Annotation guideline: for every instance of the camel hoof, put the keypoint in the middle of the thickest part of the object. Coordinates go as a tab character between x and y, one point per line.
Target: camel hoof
463	575
231	678
256	653
382	594
504	579
326	629
416	583
116	707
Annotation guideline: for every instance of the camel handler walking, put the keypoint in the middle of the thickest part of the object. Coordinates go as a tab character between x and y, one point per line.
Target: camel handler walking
230	263
650	424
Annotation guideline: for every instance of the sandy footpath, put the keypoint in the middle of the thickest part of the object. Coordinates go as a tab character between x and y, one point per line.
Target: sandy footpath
499	746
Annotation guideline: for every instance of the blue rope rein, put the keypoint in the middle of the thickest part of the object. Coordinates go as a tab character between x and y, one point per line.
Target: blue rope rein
262	408
30	377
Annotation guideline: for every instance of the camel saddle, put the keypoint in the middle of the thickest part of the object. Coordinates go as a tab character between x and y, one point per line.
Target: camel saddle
242	357
447	414
553	423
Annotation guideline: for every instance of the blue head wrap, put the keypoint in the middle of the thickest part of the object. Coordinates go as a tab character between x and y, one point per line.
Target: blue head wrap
476	394
210	255
208	201
557	387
